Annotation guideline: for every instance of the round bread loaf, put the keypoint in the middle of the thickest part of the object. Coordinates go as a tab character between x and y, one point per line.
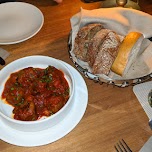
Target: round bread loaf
127	53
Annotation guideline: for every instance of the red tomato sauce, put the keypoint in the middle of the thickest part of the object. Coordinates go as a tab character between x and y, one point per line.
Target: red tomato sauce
35	92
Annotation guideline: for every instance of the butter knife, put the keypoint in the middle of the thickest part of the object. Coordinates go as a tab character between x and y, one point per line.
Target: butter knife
3	55
2	62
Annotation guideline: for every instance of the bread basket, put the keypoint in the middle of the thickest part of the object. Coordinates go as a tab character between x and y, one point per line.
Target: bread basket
97	79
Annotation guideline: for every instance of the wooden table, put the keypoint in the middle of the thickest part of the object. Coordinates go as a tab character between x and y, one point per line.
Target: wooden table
112	113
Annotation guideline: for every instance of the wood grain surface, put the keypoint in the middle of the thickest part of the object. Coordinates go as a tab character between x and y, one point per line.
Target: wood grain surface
112	113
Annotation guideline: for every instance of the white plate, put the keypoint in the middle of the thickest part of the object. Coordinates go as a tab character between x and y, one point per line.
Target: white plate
18	22
50	135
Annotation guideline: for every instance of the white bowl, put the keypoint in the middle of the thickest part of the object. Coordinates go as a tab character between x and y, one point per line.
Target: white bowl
36	62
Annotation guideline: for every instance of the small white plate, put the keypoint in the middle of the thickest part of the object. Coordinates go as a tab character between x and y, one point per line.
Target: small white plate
18	22
30	139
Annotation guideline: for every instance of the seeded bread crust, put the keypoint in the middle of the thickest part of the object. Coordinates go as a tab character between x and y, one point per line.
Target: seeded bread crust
107	54
85	34
94	45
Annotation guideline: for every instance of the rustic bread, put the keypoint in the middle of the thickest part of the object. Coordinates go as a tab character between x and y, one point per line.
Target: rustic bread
106	54
94	45
127	53
84	35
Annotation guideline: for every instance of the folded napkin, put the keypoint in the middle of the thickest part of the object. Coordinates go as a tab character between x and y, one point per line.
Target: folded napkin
141	91
122	21
147	146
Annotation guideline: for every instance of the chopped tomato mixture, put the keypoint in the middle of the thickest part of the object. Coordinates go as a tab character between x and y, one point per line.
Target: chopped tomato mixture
35	92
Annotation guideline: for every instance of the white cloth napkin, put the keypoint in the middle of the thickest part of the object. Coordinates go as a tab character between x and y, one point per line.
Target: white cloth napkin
122	21
147	146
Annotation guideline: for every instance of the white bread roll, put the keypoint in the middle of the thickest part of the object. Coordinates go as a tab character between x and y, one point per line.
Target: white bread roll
127	53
